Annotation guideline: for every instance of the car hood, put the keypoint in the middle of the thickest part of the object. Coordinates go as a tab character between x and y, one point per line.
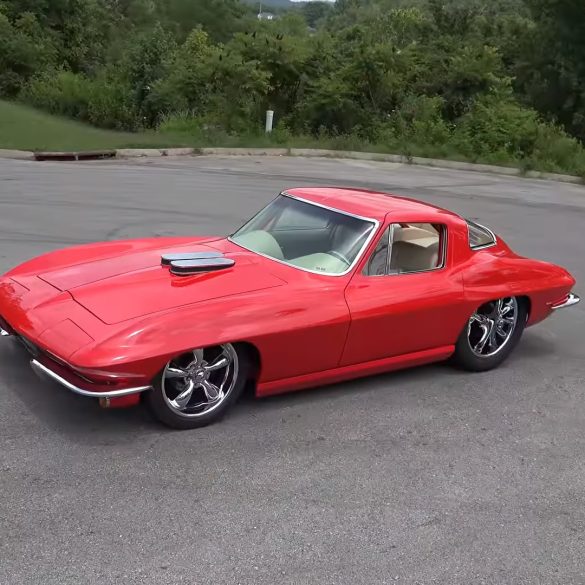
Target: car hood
134	284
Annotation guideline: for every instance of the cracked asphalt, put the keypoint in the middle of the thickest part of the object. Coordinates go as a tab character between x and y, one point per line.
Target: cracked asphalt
420	477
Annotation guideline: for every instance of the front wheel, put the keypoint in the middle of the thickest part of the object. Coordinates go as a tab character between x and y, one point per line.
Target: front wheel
491	334
198	387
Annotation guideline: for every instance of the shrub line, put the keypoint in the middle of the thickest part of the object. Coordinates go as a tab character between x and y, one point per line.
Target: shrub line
124	153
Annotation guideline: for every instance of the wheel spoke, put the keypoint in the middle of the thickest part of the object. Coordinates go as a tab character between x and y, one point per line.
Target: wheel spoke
499	306
212	392
183	398
221	362
479	318
493	340
174	372
197	357
487	328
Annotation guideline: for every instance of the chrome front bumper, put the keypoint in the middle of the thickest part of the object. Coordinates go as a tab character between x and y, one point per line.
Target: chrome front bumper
44	370
572	299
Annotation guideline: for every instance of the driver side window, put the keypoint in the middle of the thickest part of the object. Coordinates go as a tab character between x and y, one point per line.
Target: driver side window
378	263
407	248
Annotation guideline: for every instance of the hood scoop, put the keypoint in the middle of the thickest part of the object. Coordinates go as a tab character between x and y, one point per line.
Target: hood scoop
167	259
189	263
189	267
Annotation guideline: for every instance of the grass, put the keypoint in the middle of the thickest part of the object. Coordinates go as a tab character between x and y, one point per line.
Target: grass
24	128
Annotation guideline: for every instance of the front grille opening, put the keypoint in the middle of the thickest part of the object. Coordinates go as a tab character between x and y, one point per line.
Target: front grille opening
4	325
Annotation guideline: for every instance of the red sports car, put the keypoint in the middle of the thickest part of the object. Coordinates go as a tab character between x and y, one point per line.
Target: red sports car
322	285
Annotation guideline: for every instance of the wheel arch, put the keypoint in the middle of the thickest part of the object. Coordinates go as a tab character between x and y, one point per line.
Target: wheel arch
527	302
253	354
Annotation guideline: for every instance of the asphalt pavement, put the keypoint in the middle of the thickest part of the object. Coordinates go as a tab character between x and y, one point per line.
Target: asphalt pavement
424	476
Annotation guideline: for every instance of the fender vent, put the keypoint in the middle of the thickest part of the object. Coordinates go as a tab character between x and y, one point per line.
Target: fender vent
198	265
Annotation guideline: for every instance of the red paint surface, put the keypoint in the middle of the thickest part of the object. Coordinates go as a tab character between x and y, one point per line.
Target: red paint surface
111	308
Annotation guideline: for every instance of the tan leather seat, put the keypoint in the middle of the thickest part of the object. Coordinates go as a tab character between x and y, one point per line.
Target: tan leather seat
410	257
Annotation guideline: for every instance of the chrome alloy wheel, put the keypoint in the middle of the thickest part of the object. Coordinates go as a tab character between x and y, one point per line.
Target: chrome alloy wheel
491	327
197	382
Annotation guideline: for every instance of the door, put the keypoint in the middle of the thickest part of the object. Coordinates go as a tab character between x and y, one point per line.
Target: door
407	298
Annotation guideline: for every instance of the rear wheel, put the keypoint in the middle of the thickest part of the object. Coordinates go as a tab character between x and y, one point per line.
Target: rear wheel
491	334
198	387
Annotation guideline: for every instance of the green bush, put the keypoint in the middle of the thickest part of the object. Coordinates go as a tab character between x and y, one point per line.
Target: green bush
498	125
61	92
197	129
555	151
183	122
111	105
24	51
103	102
417	121
499	130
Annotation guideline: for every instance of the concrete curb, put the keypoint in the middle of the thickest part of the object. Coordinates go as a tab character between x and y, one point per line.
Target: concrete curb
123	153
179	151
138	152
17	154
245	151
394	158
437	163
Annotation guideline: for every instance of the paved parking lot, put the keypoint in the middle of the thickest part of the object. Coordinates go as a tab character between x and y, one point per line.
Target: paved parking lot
424	476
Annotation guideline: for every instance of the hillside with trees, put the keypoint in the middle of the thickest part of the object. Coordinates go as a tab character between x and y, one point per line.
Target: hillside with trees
499	81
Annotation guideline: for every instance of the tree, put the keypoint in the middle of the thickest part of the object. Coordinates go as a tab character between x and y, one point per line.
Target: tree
315	11
147	62
24	51
552	71
220	18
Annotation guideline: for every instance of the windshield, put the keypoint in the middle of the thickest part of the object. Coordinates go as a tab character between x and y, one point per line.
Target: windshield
306	236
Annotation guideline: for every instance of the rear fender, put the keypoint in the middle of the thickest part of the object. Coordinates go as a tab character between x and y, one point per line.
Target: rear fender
491	276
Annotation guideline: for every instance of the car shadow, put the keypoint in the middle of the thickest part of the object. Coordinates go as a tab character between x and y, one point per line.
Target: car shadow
393	380
78	417
83	421
533	348
536	344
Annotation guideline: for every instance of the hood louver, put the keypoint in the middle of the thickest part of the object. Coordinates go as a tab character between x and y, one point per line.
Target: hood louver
186	264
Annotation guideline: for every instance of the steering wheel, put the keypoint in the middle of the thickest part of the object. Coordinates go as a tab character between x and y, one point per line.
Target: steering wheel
339	256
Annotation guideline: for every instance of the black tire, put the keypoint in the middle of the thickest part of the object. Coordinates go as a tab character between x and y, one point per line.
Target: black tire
466	358
165	413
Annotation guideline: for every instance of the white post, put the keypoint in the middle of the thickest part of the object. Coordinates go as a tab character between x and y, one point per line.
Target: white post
269	118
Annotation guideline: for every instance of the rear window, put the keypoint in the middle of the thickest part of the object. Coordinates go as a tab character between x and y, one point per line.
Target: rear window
479	236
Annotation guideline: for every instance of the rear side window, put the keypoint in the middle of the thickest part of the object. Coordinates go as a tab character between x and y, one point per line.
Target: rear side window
479	236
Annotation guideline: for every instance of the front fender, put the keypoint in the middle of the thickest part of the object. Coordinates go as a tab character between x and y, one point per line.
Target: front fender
296	331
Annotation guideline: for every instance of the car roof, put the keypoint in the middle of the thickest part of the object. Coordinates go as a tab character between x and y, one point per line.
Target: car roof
369	204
